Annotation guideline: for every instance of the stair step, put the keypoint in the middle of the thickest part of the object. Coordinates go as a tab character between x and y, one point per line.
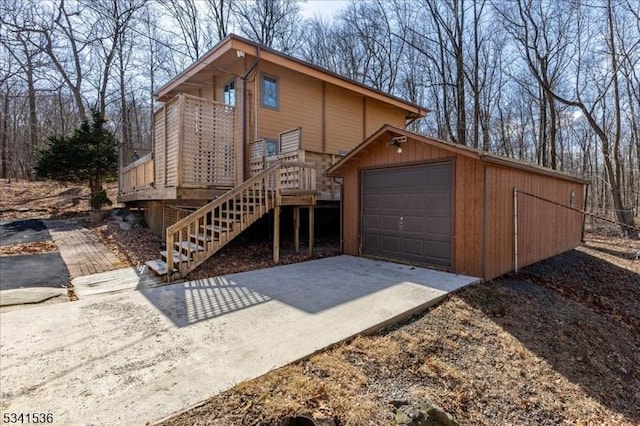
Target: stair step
224	221
242	205
177	257
215	228
232	214
202	237
188	245
158	266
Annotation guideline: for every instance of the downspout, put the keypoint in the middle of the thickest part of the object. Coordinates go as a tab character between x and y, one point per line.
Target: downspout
244	112
341	207
410	122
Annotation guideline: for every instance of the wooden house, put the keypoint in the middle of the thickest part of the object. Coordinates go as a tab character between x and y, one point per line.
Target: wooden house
242	131
410	198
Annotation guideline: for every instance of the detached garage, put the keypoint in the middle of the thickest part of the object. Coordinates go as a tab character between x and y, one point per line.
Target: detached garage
414	199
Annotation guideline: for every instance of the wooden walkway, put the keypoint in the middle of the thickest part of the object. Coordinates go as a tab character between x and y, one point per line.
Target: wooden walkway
124	279
81	250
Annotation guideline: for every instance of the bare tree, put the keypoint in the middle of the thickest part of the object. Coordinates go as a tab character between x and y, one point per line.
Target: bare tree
219	12
273	23
592	92
189	17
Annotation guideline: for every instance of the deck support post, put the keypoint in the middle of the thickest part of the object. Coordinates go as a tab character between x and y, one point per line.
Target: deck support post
296	228
276	234
311	228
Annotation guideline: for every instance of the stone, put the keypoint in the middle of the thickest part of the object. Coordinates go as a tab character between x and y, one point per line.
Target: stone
421	413
125	226
96	216
134	220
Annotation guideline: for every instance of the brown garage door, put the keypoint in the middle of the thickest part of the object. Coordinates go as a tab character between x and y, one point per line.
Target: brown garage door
407	213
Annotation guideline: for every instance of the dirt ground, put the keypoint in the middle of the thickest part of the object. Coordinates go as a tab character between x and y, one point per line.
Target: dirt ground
557	343
21	199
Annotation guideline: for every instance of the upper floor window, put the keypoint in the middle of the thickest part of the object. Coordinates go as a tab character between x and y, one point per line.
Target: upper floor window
269	92
229	92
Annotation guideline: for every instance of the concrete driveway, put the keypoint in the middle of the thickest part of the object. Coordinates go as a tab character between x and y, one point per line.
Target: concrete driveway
139	356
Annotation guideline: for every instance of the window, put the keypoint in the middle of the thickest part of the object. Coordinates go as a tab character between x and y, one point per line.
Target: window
269	92
271	148
230	93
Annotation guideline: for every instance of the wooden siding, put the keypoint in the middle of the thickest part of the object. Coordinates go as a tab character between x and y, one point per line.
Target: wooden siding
468	190
153	216
299	105
304	103
345	120
544	229
378	114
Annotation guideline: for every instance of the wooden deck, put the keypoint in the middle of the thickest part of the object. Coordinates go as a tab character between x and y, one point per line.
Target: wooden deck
193	155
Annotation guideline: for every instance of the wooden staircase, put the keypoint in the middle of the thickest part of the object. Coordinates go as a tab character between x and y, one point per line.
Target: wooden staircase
200	235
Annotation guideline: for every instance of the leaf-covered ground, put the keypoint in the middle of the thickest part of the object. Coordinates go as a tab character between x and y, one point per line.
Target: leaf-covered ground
21	199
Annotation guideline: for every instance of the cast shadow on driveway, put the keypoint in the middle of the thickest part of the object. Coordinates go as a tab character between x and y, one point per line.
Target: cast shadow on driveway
312	287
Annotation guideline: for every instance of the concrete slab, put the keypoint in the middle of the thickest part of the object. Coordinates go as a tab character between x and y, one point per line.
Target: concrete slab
115	281
33	270
24	296
138	356
22	231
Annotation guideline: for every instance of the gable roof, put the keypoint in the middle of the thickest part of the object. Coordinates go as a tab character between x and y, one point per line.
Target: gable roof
387	131
262	52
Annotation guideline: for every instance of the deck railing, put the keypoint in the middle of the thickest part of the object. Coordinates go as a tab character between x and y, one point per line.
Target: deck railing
193	148
137	176
326	187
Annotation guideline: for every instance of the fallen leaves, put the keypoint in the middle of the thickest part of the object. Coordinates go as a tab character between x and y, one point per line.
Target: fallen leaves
28	248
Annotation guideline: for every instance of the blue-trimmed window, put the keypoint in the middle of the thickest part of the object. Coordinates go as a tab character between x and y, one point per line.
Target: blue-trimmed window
229	93
269	91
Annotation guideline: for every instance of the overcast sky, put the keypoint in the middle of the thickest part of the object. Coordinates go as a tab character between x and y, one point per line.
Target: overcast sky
325	8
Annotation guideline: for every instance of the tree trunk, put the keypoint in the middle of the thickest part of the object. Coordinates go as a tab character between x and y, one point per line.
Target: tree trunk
553	133
5	137
33	116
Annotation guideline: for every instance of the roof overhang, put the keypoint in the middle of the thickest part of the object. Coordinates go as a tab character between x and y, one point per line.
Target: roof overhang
386	132
249	48
521	165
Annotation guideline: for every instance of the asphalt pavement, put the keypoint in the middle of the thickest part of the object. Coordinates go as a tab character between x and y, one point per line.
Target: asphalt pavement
30	270
23	231
33	270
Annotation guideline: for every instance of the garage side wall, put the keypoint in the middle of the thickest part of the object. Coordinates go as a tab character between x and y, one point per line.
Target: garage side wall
544	229
468	198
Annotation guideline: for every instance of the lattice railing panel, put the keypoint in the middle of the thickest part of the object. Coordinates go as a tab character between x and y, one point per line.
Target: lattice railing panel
208	151
290	140
173	139
160	144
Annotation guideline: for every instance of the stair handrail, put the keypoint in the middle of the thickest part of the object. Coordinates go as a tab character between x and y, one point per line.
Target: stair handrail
226	197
